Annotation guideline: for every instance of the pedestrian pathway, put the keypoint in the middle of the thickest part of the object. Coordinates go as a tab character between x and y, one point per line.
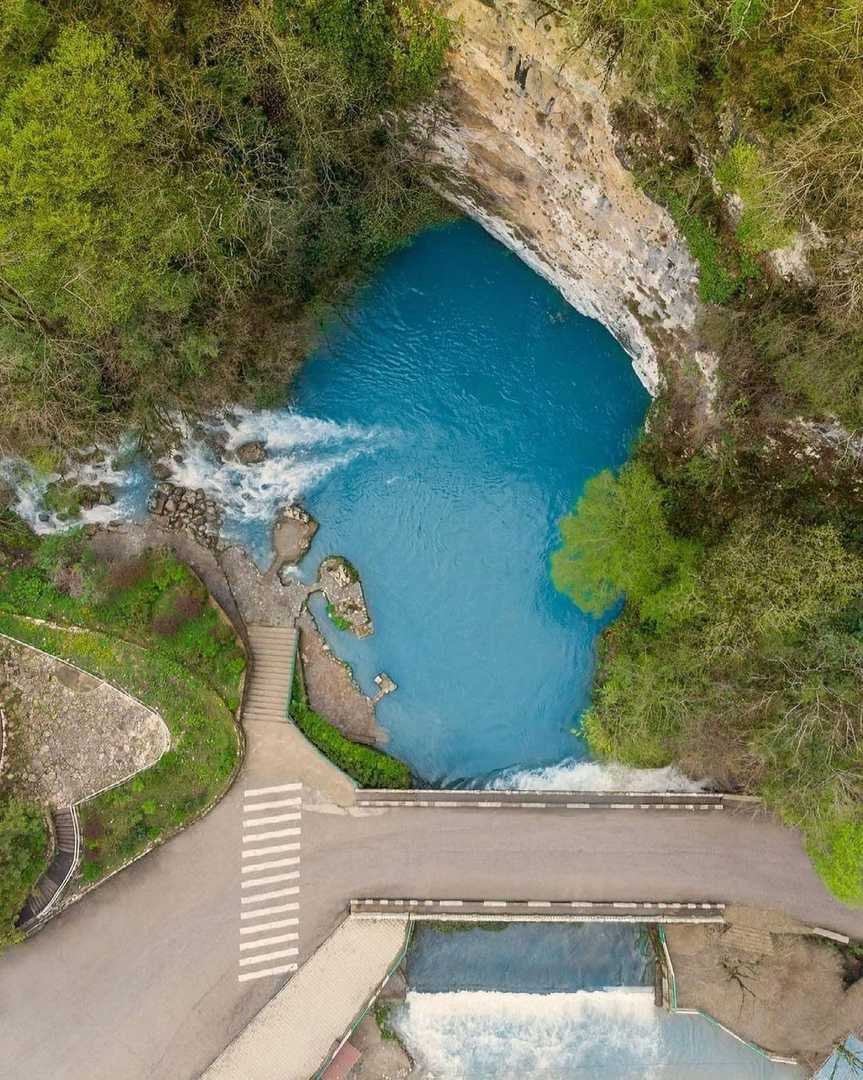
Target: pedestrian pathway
305	1023
270	881
269	693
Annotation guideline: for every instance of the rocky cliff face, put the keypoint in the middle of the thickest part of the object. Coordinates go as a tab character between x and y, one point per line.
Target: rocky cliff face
524	134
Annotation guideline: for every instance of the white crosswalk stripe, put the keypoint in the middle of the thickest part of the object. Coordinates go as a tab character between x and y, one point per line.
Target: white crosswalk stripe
254	867
267	972
271	819
277	939
271	790
277	805
263	927
274	835
276	910
279	954
253	853
276	924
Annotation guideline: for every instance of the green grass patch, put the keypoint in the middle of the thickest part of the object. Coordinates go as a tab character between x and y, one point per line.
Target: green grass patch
383	1018
370	768
337	620
147	625
153	600
123	822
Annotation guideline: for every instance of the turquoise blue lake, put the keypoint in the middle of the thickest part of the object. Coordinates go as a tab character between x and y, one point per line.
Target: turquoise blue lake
450	415
474	404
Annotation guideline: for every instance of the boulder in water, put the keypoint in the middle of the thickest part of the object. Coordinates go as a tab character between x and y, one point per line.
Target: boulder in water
293	532
251	453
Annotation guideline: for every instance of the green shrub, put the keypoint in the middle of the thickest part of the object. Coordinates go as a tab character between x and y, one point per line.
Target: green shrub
742	170
370	768
837	852
180	181
154	600
757	681
338	621
617	543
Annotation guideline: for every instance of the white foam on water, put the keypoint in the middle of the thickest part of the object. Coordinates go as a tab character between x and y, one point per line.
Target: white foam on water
301	452
30	486
574	775
614	1034
283	429
480	1035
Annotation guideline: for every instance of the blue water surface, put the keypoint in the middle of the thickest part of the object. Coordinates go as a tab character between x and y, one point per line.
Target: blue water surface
491	402
535	958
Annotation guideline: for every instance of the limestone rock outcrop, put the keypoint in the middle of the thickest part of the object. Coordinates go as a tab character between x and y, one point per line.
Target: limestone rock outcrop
524	138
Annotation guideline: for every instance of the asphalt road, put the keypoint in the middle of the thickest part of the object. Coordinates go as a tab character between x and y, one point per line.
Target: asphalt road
139	981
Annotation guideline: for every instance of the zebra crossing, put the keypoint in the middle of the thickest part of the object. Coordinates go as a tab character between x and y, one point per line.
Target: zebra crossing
269	881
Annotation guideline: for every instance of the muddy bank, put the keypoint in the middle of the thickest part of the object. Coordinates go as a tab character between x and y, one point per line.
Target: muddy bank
770	981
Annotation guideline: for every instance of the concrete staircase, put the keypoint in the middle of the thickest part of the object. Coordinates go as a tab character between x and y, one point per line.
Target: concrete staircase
63	865
268	694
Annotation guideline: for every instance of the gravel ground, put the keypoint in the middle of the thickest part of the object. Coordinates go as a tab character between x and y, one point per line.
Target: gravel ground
70	734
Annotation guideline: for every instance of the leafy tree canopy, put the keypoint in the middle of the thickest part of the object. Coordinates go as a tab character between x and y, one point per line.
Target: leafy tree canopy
617	543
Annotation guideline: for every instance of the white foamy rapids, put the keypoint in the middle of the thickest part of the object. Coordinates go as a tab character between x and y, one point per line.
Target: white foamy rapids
301	452
30	486
476	1035
574	775
281	429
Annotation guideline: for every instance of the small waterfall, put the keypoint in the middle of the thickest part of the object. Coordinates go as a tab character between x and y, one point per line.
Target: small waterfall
477	1035
573	774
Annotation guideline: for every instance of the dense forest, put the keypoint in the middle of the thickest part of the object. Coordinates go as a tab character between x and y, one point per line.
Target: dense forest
183	185
736	535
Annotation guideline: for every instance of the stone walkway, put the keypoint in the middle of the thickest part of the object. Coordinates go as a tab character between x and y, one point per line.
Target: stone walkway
298	1030
70	734
250	597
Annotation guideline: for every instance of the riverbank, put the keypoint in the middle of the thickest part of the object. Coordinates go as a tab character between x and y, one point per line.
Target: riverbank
770	980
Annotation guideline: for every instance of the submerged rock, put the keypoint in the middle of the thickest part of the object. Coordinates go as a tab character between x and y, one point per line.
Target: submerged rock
161	471
90	495
385	686
188	510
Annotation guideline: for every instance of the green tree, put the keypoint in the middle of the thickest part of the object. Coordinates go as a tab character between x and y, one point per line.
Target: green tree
23	856
617	542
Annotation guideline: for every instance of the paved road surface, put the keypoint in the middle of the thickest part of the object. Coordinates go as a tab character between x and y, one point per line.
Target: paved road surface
139	982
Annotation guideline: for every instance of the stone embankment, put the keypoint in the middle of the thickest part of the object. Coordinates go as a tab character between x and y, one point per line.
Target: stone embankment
70	734
189	521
